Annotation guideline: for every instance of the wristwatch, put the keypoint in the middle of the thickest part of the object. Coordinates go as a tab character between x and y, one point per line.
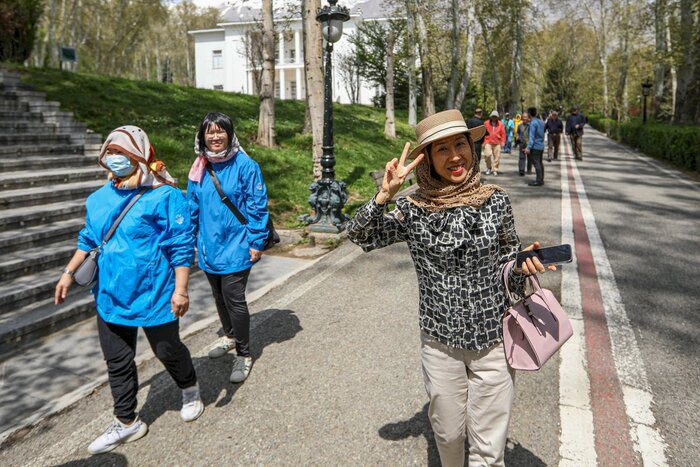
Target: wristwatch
69	272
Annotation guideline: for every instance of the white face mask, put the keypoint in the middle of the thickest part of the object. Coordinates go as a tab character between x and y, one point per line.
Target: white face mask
119	165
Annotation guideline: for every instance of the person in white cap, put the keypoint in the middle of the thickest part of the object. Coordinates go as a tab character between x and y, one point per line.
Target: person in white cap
494	141
461	234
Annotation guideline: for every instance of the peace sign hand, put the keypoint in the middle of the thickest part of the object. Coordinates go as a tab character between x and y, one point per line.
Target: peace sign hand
395	173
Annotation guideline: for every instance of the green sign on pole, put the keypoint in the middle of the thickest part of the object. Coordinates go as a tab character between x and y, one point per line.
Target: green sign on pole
68	54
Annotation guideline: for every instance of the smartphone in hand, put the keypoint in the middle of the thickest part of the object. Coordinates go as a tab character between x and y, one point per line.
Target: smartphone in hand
551	255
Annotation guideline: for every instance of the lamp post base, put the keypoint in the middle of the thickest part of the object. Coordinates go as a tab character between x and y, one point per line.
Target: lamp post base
328	196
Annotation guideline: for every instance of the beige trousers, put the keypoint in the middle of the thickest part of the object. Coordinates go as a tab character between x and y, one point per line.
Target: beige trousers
471	394
492	151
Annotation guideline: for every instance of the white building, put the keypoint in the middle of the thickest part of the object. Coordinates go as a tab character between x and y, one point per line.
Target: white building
222	62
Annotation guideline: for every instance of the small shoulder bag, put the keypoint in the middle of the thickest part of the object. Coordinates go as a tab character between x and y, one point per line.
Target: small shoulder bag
272	236
534	328
86	274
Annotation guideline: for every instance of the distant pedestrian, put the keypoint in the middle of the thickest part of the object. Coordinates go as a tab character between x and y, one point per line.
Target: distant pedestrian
554	129
524	158
510	129
142	278
493	142
227	248
574	128
476	121
516	122
452	223
535	145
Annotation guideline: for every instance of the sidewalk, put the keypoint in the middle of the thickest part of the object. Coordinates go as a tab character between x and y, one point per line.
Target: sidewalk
68	365
337	378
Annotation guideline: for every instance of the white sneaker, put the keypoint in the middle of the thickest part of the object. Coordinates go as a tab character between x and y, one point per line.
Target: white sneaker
222	347
241	369
192	406
495	174
117	434
488	172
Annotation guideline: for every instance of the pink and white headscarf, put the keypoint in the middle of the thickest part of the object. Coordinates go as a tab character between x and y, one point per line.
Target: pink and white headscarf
133	142
200	163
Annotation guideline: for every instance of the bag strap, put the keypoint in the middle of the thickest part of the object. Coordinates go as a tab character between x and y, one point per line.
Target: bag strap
534	281
225	198
111	230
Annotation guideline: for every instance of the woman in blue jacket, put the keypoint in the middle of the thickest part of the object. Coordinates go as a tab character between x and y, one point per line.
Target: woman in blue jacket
143	277
227	249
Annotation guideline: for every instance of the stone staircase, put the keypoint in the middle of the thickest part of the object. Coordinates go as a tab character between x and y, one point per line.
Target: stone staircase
48	166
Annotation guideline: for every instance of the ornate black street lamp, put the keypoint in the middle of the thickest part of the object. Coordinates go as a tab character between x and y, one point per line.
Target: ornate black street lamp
646	90
328	195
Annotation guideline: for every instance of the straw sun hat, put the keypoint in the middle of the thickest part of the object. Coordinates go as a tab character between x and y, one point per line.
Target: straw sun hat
441	125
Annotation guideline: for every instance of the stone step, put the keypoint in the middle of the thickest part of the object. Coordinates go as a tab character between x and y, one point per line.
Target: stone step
28	289
21	94
36	178
44	162
28	139
29	216
48	194
39	235
8	77
29	261
41	318
13	106
40	150
40	128
15	116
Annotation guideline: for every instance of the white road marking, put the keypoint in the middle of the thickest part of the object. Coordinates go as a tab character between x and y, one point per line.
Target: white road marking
629	364
577	442
81	437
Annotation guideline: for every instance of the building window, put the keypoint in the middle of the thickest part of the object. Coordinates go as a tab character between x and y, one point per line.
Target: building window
293	89
277	90
292	55
218	87
216	59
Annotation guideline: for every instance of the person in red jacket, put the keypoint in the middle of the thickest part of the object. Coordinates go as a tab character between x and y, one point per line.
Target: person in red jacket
493	142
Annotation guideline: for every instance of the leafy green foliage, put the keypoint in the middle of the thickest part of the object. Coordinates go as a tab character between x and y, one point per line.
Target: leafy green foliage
18	25
170	114
679	144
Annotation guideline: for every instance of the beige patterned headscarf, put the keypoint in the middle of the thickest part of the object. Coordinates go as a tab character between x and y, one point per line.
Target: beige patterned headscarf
435	194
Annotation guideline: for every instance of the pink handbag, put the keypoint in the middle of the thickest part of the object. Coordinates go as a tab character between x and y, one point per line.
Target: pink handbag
533	328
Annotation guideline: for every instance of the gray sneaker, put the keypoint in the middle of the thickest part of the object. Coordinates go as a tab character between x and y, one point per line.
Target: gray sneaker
221	347
241	369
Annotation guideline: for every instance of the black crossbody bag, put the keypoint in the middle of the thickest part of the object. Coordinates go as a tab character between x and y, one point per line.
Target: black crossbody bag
272	236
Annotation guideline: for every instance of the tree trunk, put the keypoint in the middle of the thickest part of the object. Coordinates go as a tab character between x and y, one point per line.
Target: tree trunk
494	64
692	106
52	55
517	59
674	72
660	8
452	84
266	121
313	73
389	125
621	109
426	66
411	68
469	61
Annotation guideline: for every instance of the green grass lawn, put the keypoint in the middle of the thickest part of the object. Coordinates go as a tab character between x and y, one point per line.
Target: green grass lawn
170	114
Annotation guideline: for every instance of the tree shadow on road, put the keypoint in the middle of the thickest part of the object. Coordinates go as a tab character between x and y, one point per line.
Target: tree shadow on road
267	327
419	425
108	459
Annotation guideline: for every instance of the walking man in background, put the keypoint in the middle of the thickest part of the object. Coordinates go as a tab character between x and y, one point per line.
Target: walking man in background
554	129
535	145
521	141
574	128
475	121
493	141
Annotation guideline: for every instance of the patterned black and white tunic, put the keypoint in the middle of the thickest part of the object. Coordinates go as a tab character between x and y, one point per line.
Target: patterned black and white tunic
459	254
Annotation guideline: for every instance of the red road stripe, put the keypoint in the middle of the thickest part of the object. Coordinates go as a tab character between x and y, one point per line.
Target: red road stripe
613	444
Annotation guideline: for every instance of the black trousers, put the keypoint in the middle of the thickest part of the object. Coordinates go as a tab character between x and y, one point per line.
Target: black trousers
229	295
536	155
119	349
477	150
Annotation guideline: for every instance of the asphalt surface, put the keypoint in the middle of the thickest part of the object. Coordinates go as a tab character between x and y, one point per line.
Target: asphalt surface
337	377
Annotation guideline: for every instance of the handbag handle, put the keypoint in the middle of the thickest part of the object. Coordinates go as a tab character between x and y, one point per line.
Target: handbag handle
534	281
225	199
111	230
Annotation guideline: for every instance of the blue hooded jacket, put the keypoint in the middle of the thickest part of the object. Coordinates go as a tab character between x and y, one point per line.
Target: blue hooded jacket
222	241
136	267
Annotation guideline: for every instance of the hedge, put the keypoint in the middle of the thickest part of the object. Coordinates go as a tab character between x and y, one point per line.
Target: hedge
679	144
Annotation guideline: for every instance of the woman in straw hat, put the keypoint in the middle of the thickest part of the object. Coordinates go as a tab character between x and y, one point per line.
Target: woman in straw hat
142	279
461	234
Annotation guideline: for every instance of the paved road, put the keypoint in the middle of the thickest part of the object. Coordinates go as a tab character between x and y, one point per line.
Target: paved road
337	378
